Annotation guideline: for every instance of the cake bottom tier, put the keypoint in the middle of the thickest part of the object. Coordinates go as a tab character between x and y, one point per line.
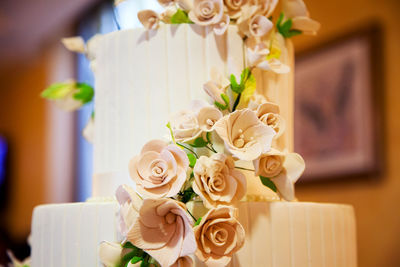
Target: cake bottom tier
278	234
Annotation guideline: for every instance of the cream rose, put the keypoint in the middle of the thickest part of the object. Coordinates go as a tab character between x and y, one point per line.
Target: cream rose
297	11
149	19
219	235
256	100
161	227
185	126
244	135
283	168
216	86
268	113
159	170
207	12
217	181
183	262
234	7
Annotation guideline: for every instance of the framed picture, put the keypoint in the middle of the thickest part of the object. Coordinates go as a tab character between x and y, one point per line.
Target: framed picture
338	120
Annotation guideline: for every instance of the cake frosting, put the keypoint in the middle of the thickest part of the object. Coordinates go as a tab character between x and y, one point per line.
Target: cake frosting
220	168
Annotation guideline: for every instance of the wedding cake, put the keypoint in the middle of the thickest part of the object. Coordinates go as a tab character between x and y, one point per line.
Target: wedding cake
193	147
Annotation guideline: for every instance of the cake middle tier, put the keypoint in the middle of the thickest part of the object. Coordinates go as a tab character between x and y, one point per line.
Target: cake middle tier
141	77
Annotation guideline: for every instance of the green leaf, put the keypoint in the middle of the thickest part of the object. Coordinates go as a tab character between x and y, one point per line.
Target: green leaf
84	93
199	142
180	17
244	76
128	256
268	183
235	86
192	159
186	195
219	105
58	90
225	98
198	221
136	259
128	245
292	33
171	132
279	21
285	27
249	89
145	264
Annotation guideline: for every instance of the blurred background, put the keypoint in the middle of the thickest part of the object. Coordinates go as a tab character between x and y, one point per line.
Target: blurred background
44	159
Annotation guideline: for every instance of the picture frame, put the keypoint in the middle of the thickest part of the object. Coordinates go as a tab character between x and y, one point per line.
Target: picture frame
338	106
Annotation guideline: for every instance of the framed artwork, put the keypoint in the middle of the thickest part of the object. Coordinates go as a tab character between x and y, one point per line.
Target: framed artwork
338	119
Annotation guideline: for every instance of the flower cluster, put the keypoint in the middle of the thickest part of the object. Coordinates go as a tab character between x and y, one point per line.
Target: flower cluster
256	21
198	164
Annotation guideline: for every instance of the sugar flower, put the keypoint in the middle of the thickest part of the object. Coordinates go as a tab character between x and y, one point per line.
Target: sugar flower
234	7
297	11
283	168
161	227
216	86
185	125
159	170
217	181
263	58
207	12
149	19
110	253
183	262
245	136
74	44
268	113
260	26
219	235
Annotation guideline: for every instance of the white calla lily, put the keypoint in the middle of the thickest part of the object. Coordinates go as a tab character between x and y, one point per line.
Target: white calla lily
110	253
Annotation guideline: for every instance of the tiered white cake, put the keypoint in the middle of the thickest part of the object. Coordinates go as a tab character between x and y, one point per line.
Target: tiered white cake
143	76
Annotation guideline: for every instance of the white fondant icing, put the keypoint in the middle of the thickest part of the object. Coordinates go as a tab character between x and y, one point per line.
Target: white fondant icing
277	234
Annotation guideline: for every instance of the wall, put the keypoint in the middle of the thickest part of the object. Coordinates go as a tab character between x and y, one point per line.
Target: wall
22	119
375	200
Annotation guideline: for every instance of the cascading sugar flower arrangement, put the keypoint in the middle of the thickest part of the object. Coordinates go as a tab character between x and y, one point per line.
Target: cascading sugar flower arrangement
199	165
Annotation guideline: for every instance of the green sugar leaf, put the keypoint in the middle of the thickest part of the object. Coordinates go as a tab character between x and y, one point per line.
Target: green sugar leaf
198	221
84	93
128	245
235	86
58	90
136	259
180	17
285	27
145	264
192	159
186	195
226	99
244	76
292	33
219	105
268	183
199	142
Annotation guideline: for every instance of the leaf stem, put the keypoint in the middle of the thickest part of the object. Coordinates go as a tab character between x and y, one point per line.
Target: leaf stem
191	150
194	218
245	169
236	102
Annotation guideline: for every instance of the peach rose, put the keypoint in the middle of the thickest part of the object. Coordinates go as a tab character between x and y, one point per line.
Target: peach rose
216	86
159	170
185	126
161	227
183	262
149	19
283	168
234	7
297	11
268	113
207	12
245	136
219	235
217	181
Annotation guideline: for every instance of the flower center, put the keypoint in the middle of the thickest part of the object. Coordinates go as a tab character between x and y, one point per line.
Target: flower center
216	183
158	169
218	235
170	218
271	120
210	122
207	9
